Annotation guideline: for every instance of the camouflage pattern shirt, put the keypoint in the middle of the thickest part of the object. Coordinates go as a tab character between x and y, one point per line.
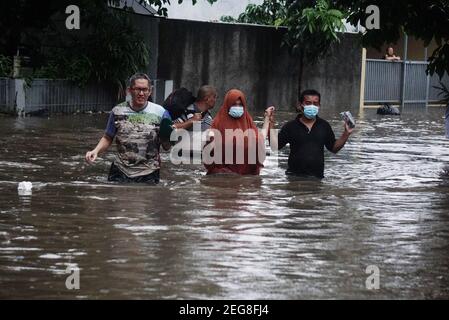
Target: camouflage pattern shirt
137	137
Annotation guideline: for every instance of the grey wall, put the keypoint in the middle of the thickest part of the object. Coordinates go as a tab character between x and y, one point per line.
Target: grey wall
337	77
246	57
251	58
148	27
228	56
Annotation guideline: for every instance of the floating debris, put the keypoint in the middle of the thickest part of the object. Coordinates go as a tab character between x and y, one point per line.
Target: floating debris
25	188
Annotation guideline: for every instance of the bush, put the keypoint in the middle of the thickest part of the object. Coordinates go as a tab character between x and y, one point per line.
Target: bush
5	66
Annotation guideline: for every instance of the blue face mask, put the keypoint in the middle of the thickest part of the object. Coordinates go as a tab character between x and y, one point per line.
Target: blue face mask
310	111
236	111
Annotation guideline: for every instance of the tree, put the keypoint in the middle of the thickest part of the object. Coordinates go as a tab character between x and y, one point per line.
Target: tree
312	30
312	26
5	66
425	20
107	48
267	13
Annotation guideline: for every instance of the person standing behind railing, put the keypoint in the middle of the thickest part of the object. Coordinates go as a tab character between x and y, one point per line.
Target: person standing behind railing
390	55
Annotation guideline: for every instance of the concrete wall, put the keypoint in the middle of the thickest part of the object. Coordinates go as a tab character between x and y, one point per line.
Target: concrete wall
148	27
251	58
228	56
246	57
337	77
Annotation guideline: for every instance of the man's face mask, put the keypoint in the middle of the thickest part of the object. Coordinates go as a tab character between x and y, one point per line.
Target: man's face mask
236	111
310	111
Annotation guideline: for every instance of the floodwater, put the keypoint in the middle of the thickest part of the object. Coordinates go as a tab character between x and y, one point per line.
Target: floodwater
384	203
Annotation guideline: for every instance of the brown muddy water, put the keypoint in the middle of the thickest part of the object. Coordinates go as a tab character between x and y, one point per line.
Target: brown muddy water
384	202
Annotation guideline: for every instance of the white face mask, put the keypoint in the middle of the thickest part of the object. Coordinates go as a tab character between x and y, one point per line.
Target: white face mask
310	111
236	111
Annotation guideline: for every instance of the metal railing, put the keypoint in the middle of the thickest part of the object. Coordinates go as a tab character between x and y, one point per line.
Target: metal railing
400	82
63	96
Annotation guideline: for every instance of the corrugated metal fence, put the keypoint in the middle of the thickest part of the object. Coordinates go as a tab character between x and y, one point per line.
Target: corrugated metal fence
383	81
404	83
6	95
54	96
64	96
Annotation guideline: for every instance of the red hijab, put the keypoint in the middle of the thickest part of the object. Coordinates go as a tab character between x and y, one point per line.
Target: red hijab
224	121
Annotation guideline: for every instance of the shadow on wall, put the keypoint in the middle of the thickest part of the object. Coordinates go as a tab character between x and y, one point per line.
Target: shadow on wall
228	56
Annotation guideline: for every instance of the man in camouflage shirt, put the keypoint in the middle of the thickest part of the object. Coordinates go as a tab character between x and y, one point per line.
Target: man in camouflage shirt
135	125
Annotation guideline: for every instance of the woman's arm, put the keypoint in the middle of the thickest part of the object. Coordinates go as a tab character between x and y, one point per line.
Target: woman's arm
268	122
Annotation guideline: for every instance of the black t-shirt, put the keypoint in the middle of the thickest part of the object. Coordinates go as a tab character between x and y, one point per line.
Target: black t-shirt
307	148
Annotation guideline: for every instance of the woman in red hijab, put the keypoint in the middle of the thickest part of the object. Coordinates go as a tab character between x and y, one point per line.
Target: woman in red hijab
247	144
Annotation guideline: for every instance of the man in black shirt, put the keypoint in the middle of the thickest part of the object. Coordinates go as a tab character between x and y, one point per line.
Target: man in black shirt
307	135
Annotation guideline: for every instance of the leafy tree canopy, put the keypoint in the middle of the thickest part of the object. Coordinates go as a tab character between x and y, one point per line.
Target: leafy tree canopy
106	48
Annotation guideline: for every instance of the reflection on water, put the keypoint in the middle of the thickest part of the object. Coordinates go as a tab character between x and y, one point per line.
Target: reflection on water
384	202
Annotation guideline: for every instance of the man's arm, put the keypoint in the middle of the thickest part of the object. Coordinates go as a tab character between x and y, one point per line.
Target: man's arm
184	125
394	58
279	139
188	123
165	130
104	143
340	143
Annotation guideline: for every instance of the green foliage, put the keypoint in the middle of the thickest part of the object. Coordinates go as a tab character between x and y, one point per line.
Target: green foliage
439	60
324	20
113	52
159	4
312	30
5	66
107	48
110	50
228	19
268	13
444	92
